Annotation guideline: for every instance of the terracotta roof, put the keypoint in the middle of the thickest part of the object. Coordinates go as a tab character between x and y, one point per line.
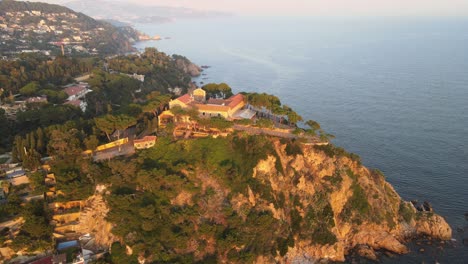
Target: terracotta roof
208	107
216	101
76	103
186	98
145	139
235	100
74	90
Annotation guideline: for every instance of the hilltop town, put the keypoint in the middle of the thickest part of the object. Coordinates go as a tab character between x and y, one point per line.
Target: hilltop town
52	30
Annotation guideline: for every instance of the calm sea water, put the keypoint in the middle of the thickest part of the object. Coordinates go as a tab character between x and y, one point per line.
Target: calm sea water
394	91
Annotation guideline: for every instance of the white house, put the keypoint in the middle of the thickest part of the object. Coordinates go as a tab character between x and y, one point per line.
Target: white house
75	92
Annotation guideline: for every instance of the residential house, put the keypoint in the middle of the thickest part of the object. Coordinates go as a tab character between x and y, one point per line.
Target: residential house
76	91
167	117
183	101
15	172
36	100
12	110
16	181
78	103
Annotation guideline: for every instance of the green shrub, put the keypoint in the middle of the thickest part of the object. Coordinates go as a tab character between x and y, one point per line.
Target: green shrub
264	123
335	180
323	236
357	208
406	212
332	151
293	148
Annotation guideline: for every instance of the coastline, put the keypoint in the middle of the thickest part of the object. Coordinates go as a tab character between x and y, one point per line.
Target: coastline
428	246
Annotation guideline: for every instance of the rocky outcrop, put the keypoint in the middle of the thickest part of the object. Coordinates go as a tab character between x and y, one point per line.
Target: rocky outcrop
434	226
367	212
187	66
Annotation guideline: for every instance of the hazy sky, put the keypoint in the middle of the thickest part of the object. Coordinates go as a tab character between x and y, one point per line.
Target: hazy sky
328	7
322	7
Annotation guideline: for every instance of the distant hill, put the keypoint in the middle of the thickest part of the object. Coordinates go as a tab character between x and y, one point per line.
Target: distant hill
26	26
135	13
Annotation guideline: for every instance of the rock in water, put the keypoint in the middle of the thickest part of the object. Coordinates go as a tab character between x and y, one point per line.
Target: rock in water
434	226
427	206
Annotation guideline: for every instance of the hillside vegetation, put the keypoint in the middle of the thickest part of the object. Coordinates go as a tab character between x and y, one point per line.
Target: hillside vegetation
245	199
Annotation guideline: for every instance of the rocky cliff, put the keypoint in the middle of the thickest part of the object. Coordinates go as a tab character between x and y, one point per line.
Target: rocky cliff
256	199
187	66
366	213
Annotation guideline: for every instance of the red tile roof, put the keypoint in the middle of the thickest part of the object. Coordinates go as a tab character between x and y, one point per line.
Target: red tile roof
212	107
216	101
186	99
74	90
76	103
235	100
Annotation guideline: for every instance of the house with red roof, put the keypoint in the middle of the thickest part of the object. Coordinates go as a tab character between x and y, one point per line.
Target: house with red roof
78	103
213	107
75	92
182	101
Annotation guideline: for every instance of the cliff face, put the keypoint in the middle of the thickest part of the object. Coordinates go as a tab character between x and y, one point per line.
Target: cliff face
247	199
366	212
93	221
187	66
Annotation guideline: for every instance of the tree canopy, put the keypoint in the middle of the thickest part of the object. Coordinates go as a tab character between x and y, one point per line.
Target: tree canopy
214	90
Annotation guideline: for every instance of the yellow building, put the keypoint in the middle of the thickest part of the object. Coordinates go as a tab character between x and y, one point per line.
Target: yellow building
145	143
199	95
112	144
183	101
225	108
167	117
211	108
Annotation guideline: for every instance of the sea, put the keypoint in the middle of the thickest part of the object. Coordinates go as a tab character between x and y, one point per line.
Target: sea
393	90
